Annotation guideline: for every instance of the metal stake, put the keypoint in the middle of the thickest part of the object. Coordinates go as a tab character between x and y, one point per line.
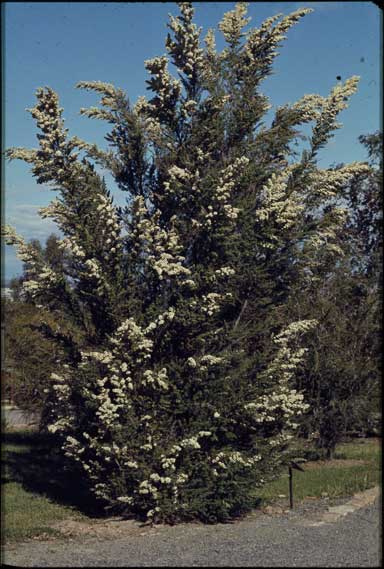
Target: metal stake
293	464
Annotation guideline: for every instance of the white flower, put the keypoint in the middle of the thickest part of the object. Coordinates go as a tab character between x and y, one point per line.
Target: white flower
125	499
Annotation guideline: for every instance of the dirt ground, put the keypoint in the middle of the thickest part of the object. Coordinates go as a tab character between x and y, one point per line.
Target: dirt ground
115	527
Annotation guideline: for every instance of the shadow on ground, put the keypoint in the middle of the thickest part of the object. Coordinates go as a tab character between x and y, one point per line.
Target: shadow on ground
31	460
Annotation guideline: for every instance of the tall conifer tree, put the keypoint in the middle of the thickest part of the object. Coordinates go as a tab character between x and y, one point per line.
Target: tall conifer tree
165	400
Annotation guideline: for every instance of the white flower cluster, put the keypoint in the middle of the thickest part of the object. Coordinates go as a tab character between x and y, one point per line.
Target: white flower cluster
108	226
146	487
325	111
25	252
106	89
60	387
184	49
210	43
109	410
233	22
159	248
104	357
70	244
47	112
277	204
189	283
338	100
63	415
327	183
20	153
225	272
94	271
280	439
162	319
98	270
261	45
62	215
125	499
140	105
208	361
152	487
283	401
287	359
182	183
210	303
62	423
97	113
130	349
210	67
55	161
204	362
162	479
286	402
166	88
188	108
129	331
324	239
222	193
211	360
293	330
222	459
158	378
192	442
309	107
47	277
191	362
110	99
41	278
153	130
102	454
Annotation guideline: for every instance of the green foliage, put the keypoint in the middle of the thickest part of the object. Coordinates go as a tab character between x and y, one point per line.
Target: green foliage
342	375
173	393
30	359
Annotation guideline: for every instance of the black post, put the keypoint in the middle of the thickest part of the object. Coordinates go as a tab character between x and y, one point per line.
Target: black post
290	487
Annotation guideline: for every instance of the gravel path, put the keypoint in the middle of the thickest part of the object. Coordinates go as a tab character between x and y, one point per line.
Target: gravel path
344	535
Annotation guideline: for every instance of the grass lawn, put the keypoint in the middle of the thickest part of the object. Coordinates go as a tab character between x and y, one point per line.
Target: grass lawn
37	492
356	466
26	515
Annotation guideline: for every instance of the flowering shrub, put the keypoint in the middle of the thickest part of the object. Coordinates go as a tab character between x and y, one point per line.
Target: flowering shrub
152	400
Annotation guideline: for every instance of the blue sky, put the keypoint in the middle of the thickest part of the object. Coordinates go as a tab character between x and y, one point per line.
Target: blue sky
60	43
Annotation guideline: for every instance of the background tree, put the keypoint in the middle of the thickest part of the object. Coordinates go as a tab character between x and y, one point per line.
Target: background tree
364	196
341	377
29	357
155	399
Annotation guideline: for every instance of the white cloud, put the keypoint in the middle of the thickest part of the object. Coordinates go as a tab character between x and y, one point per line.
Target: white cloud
27	222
